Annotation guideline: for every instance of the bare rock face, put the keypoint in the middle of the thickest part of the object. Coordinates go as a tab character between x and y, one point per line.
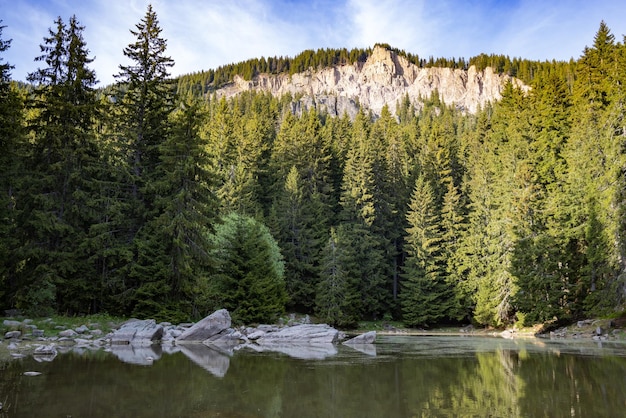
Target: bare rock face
135	331
366	338
208	327
384	79
302	334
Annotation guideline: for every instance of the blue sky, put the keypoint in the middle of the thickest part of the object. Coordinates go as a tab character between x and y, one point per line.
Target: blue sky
204	34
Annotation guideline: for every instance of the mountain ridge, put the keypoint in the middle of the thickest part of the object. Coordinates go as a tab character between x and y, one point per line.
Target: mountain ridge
385	78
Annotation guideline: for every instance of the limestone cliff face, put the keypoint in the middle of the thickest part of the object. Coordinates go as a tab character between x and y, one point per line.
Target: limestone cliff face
384	79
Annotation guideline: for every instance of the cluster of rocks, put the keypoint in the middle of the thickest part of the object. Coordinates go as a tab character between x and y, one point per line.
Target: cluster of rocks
25	338
215	330
208	343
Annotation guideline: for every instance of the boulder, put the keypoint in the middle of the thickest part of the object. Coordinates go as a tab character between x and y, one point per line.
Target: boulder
137	331
68	333
226	339
12	334
12	324
367	338
212	325
45	353
82	329
304	333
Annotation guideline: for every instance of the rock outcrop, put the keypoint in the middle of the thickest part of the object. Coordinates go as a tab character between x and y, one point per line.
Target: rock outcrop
208	327
137	332
366	338
302	334
384	79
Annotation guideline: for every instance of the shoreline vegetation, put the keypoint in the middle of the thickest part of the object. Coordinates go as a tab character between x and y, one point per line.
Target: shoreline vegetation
154	199
607	329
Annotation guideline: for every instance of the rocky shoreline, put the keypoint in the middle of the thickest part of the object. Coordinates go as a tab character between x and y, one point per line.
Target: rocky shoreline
211	341
208	342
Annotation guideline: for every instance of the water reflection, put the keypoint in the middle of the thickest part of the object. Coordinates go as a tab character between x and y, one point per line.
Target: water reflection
210	360
142	355
411	376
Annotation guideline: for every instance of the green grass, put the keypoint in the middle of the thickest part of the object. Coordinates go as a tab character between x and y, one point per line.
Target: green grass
55	324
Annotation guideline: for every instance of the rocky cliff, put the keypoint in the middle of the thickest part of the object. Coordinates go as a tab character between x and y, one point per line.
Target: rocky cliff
384	79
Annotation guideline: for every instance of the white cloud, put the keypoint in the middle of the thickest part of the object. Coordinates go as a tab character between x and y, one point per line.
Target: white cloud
207	34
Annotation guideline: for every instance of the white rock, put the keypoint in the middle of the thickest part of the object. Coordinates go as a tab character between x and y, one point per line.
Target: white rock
384	79
212	325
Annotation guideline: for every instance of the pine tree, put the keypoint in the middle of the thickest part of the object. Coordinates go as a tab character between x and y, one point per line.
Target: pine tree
188	213
358	215
11	134
57	192
338	301
249	271
302	210
426	297
145	100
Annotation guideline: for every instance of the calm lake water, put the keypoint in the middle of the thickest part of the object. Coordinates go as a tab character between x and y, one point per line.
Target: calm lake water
413	376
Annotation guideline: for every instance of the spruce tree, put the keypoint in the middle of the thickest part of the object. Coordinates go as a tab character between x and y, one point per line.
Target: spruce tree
57	191
145	100
12	139
426	297
188	213
248	279
338	300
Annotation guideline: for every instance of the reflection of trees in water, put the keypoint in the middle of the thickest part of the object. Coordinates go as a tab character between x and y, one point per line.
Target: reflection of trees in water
9	387
506	381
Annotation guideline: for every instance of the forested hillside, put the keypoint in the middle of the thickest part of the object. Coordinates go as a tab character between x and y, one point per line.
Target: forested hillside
154	198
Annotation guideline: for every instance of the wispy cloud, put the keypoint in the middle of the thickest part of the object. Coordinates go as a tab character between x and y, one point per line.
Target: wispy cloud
207	34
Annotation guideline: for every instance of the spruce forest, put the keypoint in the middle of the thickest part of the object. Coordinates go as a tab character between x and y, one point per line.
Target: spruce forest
154	198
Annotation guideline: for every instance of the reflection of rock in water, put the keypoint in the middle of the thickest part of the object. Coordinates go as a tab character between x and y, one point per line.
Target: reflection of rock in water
369	349
295	350
212	361
143	355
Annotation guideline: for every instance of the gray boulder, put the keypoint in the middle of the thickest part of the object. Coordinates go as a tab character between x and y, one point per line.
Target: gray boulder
226	339
304	333
367	338
212	325
12	334
82	329
12	324
137	331
68	333
45	353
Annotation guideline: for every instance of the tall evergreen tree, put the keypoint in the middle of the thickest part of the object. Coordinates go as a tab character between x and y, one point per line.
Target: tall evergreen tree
426	297
188	213
303	208
57	193
338	300
11	139
145	100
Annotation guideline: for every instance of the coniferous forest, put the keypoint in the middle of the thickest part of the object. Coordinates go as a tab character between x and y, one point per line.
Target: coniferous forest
154	198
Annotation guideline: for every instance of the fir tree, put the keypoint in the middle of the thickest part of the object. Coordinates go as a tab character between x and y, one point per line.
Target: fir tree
56	195
249	271
426	297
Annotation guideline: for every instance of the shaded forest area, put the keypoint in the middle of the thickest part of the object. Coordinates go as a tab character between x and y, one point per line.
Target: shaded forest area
151	198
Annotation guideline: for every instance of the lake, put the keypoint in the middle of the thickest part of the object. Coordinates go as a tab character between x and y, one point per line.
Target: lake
399	376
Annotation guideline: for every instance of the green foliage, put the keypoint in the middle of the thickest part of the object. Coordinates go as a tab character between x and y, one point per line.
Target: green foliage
249	271
426	297
110	200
